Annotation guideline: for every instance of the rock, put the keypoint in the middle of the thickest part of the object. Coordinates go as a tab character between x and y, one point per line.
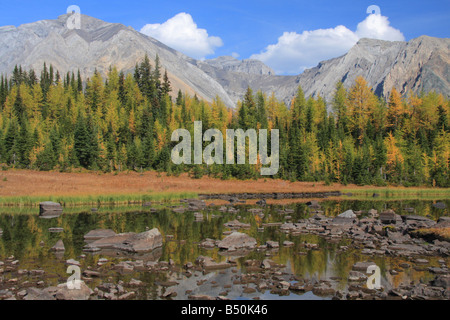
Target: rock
209	263
421	261
442	281
59	246
261	202
208	243
390	217
284	285
65	293
357	276
323	290
375	195
130	242
272	244
440	205
437	270
363	266
237	225
1	232
422	221
200	297
343	221
38	294
127	296
373	213
91	274
50	209
237	240
348	214
99	234
314	204
288	243
198	216
55	230
135	283
72	262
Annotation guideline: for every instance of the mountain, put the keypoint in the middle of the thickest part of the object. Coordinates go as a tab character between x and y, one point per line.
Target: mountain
420	64
98	45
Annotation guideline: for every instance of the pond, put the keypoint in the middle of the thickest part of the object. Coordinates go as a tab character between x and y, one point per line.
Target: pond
310	264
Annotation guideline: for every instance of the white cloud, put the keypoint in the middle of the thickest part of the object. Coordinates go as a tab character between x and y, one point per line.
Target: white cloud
182	34
294	52
235	55
376	26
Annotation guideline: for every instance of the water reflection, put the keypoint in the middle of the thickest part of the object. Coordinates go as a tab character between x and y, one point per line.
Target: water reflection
28	239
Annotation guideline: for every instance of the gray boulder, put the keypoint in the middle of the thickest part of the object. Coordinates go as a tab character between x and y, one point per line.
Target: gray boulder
129	242
236	241
349	214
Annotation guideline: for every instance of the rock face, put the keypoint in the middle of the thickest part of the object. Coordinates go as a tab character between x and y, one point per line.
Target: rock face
236	241
50	209
248	66
129	242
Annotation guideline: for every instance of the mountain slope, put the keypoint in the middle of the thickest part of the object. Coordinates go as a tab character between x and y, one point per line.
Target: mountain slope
98	45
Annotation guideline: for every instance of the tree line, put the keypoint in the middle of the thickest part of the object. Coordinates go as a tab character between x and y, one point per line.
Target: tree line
125	122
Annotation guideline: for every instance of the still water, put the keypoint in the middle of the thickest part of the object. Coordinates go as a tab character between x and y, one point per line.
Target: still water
28	239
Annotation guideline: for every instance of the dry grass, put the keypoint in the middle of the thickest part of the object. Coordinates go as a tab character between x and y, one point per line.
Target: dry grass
14	183
36	183
436	233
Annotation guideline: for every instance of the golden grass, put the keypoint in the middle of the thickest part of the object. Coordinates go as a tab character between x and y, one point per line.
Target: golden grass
438	233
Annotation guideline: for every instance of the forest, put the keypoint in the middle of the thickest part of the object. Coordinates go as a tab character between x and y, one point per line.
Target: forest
125	121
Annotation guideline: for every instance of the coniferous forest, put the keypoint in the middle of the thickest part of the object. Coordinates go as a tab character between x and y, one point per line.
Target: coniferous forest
124	122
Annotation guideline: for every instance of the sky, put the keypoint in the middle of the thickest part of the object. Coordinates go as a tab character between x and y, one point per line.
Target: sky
287	35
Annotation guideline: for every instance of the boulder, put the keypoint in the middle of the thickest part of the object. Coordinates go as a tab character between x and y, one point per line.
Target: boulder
390	217
65	293
130	242
50	209
349	214
38	294
236	241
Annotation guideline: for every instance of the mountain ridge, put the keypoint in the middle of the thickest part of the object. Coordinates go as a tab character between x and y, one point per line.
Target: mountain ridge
419	64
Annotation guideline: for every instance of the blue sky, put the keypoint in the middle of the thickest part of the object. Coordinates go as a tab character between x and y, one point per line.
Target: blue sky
287	35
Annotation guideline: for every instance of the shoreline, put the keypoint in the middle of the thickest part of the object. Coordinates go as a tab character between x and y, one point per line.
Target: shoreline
25	187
